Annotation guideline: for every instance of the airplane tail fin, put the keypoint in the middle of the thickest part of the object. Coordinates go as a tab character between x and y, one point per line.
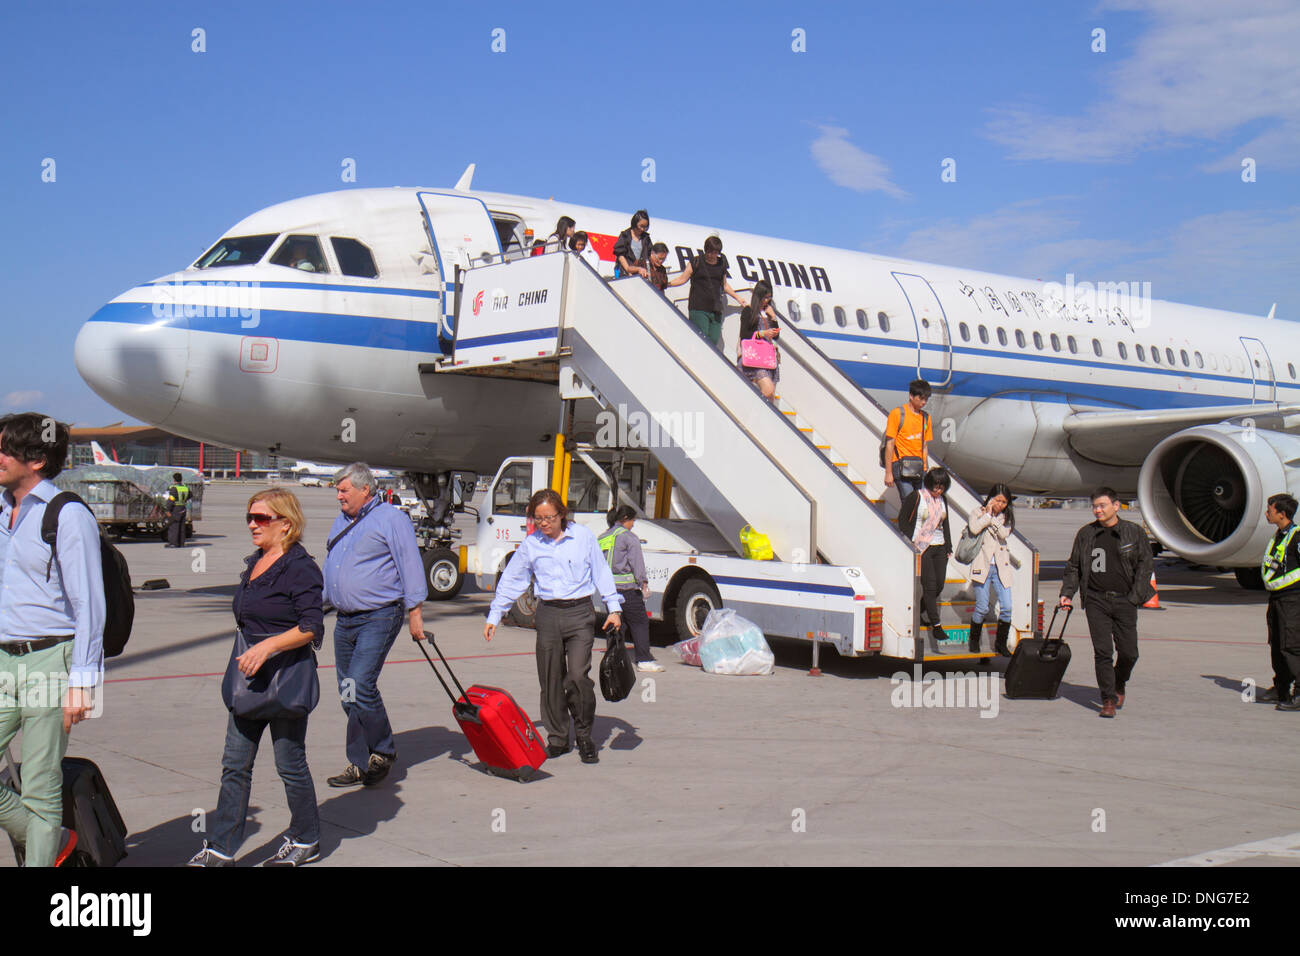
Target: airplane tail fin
467	177
100	457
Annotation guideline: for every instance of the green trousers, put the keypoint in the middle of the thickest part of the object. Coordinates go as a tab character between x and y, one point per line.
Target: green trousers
709	324
32	688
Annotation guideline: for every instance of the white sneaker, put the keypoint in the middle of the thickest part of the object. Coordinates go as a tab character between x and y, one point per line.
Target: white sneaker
649	666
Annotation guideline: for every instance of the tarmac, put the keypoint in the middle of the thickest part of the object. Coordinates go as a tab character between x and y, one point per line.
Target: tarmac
697	769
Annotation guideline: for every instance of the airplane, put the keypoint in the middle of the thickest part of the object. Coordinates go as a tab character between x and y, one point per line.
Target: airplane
313	474
314	326
102	458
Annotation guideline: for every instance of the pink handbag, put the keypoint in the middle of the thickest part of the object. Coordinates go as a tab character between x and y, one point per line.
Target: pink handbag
757	353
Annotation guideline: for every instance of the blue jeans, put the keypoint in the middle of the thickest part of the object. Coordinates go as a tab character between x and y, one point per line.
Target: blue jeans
242	737
1003	592
905	486
361	644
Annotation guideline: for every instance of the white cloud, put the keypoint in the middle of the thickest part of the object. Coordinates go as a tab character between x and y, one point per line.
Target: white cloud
1203	72
1237	260
847	165
22	399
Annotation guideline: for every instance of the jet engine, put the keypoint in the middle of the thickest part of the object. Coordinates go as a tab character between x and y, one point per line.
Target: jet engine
1203	490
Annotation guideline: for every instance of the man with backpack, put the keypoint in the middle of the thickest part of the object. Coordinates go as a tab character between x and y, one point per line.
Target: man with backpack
52	615
907	438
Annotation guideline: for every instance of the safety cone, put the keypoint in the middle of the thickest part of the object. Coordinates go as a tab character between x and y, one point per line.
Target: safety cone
1155	598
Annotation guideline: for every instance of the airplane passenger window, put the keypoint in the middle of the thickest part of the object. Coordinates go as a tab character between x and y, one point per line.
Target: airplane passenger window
1183	355
1169	354
1289	367
354	258
1020	338
1123	351
1072	345
1142	355
235	251
964	329
883	321
817	314
840	318
1155	354
300	252
984	335
863	323
1200	362
1002	336
793	308
1096	347
1038	341
1056	342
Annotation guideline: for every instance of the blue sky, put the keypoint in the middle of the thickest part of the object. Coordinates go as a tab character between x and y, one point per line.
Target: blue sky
1122	165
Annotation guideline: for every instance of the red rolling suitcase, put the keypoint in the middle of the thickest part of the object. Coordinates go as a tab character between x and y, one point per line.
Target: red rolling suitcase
498	729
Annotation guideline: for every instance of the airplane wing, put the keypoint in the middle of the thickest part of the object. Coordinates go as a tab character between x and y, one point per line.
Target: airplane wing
1126	437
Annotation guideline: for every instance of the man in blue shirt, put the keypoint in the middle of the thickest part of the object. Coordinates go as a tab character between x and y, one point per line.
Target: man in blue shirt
565	562
51	630
374	577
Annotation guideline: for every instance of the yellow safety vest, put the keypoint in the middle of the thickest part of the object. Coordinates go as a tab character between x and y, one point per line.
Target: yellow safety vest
182	493
606	542
1274	563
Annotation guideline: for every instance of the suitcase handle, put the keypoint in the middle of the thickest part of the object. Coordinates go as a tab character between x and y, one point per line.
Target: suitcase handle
428	636
1050	642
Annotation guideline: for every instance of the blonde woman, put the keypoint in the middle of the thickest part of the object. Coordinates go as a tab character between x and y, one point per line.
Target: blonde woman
272	683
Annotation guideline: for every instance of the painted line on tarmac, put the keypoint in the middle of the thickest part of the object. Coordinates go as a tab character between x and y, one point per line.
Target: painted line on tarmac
1285	847
414	660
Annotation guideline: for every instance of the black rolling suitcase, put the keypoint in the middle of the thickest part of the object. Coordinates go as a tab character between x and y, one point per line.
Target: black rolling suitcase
1039	664
88	810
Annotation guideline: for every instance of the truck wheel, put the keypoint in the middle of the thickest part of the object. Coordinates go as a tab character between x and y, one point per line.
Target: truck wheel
694	602
1252	579
442	573
524	611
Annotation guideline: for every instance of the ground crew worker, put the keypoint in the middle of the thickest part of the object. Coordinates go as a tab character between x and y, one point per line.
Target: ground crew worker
178	496
622	549
1281	570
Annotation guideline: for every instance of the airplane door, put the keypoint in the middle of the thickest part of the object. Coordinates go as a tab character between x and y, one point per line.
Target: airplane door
933	342
1260	367
460	232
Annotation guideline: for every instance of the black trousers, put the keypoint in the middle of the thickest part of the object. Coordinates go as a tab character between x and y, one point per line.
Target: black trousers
564	640
1284	638
636	621
934	571
176	526
1112	623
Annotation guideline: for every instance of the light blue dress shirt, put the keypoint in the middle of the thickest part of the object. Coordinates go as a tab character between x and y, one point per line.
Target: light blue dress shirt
72	600
376	563
565	569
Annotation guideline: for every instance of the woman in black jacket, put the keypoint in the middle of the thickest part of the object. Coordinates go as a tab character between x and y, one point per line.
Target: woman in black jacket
759	318
278	610
632	248
924	519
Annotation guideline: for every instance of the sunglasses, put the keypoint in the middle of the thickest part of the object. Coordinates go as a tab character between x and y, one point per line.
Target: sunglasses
260	519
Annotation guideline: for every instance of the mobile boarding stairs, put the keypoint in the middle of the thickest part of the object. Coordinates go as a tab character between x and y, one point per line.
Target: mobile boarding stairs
805	472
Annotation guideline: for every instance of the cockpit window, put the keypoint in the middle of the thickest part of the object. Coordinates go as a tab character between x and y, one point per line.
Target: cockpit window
235	251
300	252
354	258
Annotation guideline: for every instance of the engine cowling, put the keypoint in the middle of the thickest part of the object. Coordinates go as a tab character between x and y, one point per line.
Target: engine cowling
1203	491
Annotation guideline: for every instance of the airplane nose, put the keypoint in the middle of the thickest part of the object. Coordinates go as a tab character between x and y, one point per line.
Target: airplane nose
134	353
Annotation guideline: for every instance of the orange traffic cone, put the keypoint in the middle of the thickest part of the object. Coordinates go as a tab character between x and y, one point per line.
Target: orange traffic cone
1155	598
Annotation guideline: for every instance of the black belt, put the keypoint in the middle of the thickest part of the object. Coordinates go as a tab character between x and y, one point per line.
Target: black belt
371	610
574	602
1112	594
26	647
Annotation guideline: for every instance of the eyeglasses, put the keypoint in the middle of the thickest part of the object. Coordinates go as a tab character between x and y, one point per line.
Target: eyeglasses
545	519
260	518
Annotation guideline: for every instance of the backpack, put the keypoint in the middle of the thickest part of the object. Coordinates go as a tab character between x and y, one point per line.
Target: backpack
925	421
119	602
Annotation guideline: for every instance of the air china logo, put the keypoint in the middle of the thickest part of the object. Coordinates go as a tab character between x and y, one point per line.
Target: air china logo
478	302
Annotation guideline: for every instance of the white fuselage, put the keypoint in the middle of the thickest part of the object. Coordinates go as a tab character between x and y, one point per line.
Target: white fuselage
328	366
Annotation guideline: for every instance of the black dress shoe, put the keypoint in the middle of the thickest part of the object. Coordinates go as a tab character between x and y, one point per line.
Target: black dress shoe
587	750
1292	704
556	750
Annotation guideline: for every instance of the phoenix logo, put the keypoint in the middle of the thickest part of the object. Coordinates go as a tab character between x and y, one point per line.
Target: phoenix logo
478	302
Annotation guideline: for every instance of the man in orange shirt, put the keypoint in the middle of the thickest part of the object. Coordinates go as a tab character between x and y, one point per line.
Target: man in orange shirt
907	438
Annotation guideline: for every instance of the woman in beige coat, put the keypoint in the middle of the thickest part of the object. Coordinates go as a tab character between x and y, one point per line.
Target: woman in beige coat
992	566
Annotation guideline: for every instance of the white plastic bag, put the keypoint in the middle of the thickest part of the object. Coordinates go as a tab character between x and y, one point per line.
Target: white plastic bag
729	644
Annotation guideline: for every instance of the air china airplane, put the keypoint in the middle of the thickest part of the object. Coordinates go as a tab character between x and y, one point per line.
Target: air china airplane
312	327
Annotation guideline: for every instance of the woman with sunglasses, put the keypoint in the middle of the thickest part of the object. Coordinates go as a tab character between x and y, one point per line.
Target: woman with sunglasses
278	609
759	319
924	518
